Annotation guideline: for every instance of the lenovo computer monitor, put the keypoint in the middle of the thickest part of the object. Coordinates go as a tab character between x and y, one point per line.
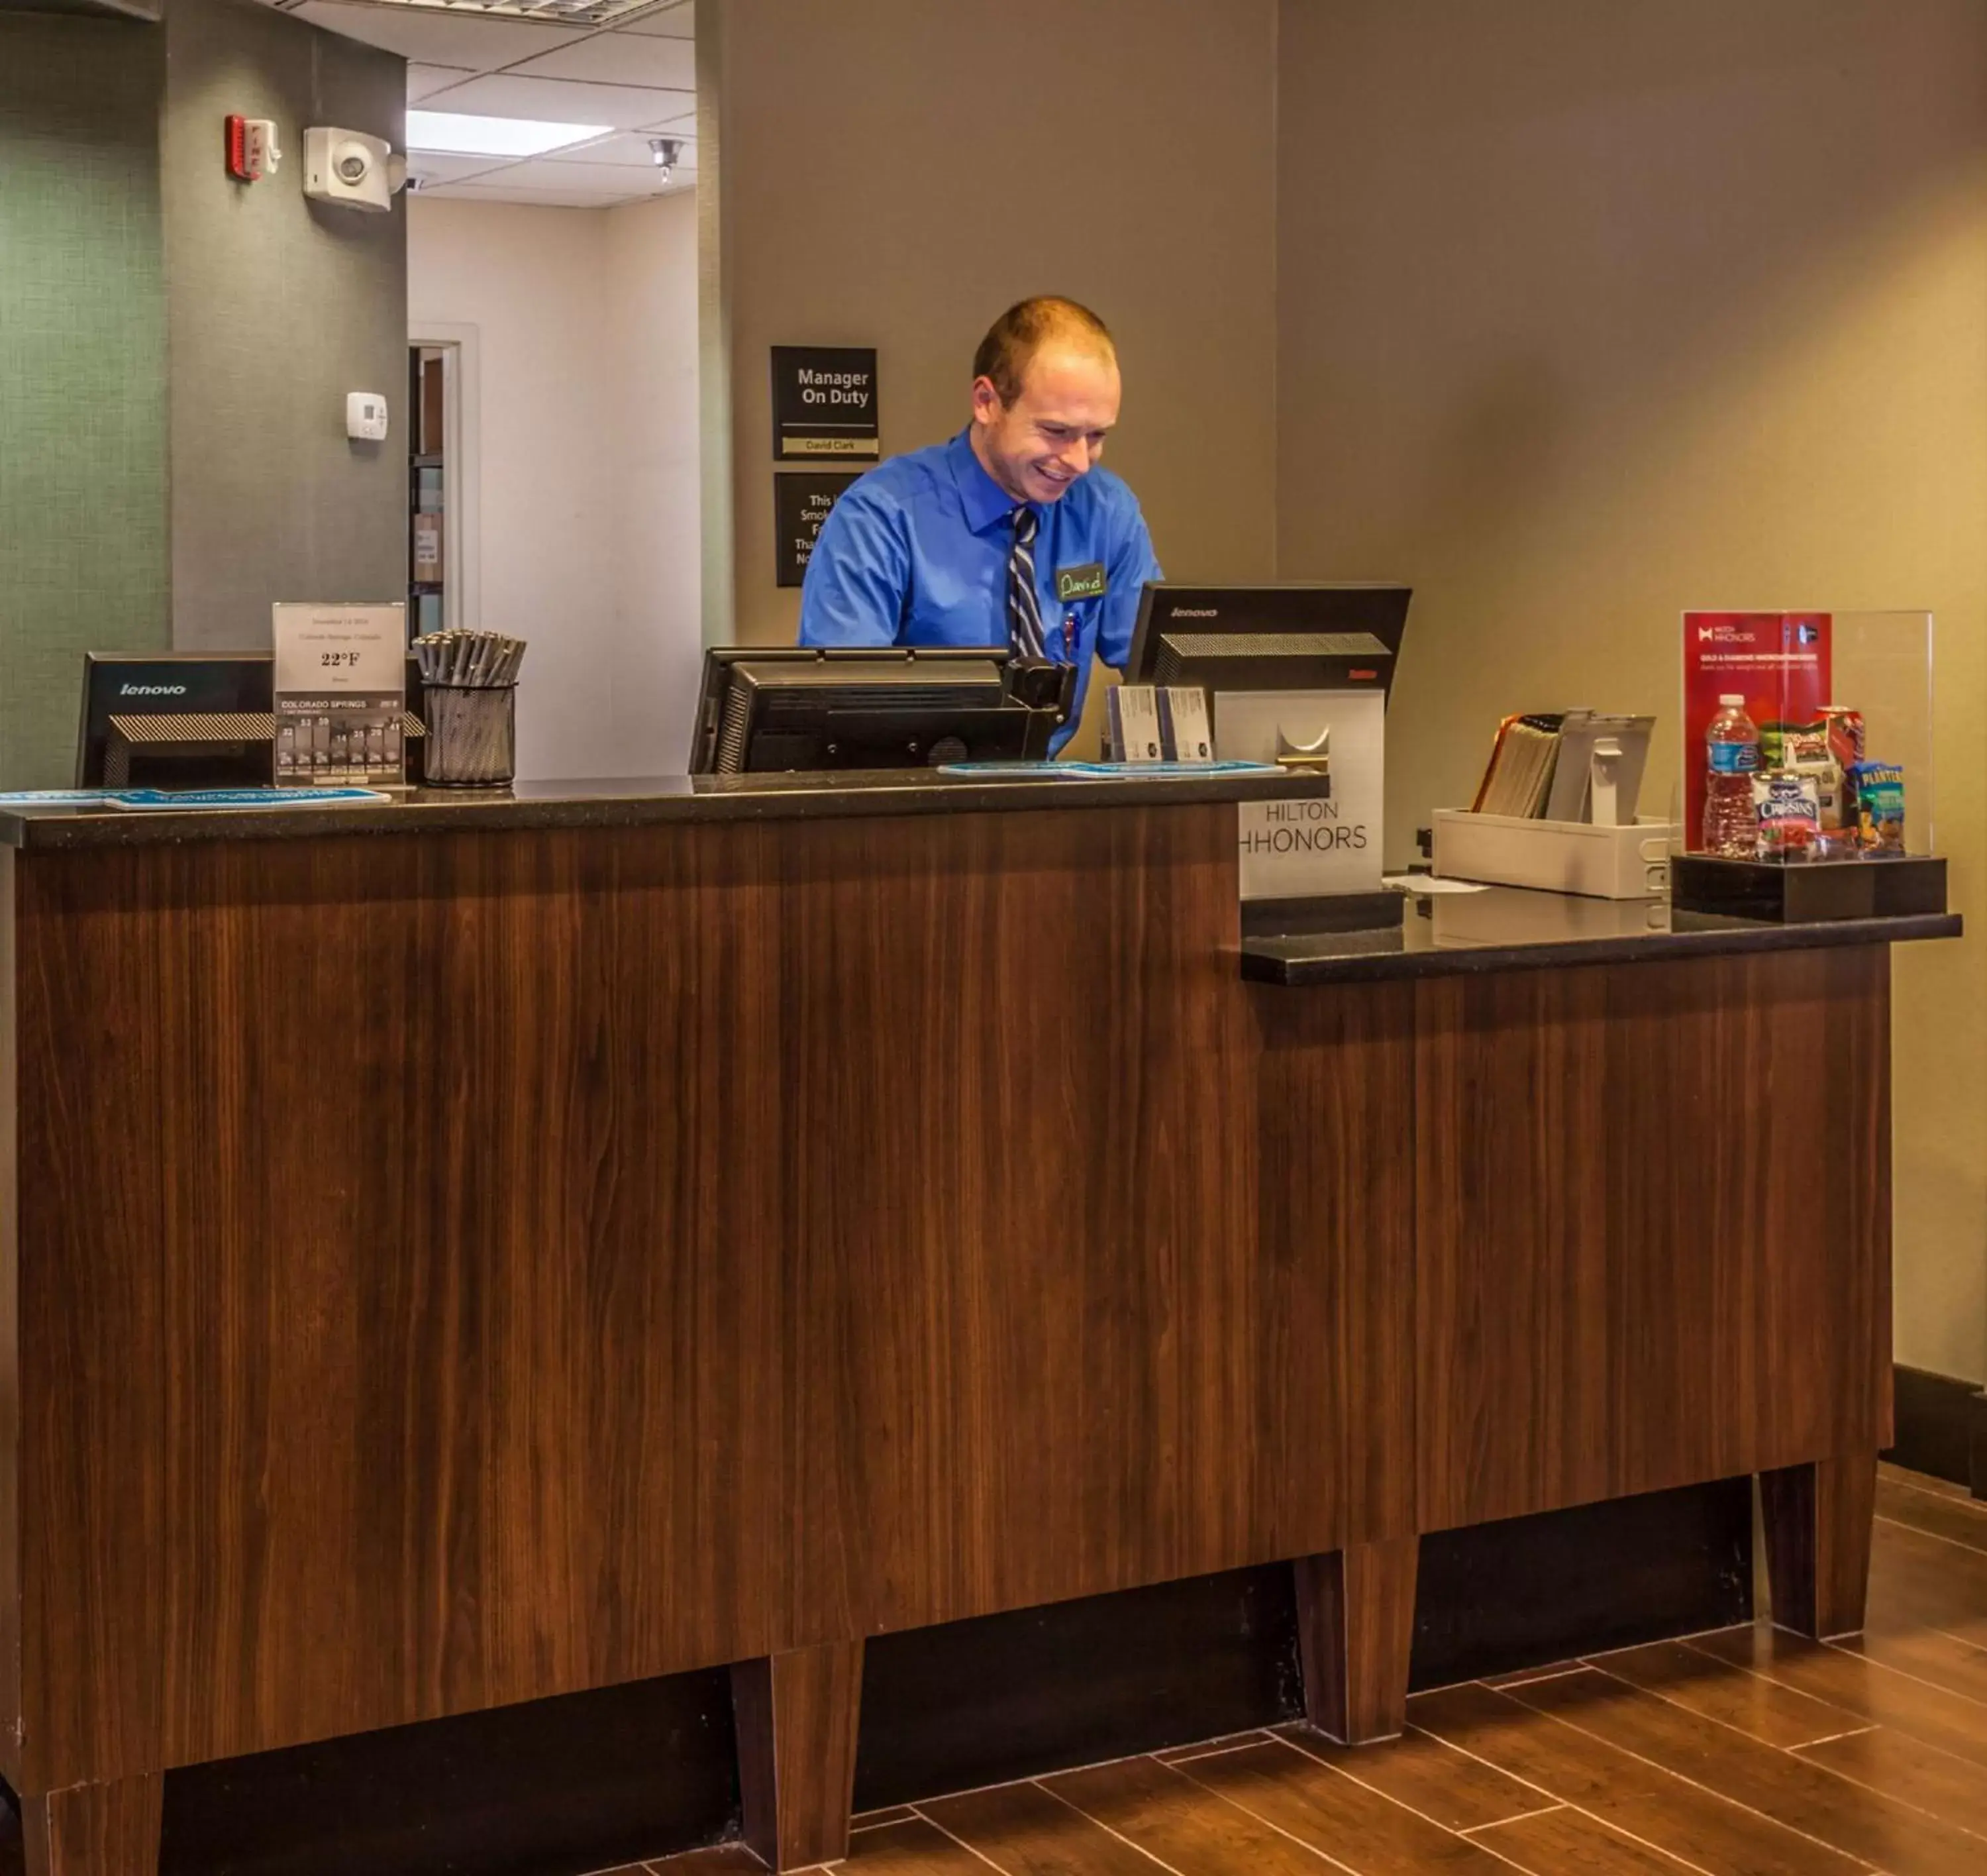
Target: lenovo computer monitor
1292	637
778	709
188	719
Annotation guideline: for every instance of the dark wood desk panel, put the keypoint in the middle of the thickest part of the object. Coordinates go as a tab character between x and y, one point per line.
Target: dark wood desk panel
1338	1252
11	1626
506	1261
1040	1355
469	1269
1638	1267
425	1352
1033	1343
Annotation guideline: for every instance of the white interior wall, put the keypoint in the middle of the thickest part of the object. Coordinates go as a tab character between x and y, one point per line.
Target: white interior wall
587	408
658	642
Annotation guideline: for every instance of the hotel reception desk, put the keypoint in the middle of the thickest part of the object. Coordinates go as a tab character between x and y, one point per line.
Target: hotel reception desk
480	1249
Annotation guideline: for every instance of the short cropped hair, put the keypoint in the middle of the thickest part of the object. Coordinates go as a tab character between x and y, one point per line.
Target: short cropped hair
1021	331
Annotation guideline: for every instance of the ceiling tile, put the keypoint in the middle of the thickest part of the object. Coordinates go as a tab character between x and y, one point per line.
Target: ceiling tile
632	151
558	100
616	179
679	22
435	37
433	166
424	80
474	192
497	190
621	58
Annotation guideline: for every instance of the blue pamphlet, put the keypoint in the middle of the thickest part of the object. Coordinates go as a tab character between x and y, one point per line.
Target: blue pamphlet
1100	771
185	799
53	797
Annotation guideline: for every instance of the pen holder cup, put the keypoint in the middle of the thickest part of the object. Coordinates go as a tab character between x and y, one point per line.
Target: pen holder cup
472	735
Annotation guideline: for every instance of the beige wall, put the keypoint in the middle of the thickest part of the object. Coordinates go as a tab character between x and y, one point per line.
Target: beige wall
1589	314
586	393
894	173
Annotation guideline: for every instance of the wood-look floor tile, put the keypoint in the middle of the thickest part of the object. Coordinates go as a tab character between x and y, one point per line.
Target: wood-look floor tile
1802	1795
1923	1481
894	1814
723	1859
1337	1817
1963	1520
1023	1830
1569	1843
1182	1823
1641	1800
1174	1755
1928	1655
915	1848
1777	1715
1532	1674
1920	1581
1913	1773
1449	1787
1848	1678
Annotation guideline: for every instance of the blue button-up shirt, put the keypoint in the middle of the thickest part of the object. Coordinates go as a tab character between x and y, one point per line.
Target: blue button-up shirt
915	553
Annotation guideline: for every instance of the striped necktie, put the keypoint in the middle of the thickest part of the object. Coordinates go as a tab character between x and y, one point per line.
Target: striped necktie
1024	606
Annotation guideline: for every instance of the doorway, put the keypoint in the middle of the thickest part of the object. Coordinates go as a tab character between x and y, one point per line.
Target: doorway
442	560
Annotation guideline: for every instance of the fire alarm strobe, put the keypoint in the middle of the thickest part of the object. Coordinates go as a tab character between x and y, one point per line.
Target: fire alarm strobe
252	149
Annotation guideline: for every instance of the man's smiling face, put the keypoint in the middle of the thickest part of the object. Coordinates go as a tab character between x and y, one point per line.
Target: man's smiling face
1041	446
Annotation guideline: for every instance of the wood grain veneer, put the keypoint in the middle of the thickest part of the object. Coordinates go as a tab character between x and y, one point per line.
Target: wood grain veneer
1654	1227
797	1717
1817	1521
111	1829
462	1269
1356	1625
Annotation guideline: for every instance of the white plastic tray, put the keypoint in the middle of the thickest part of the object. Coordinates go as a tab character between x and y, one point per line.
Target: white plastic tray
1553	856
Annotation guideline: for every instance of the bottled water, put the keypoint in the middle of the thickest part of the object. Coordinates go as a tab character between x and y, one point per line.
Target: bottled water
1731	751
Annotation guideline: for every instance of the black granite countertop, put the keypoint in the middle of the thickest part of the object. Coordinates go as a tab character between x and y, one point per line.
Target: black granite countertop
40	828
1504	928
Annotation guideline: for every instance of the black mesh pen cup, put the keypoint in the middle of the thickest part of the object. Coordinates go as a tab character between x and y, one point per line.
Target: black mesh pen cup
472	735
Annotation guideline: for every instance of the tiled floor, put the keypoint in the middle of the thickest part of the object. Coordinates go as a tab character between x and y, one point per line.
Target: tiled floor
1742	1753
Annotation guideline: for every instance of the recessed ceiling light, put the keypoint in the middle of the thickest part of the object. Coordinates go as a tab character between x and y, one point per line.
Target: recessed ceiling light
447	134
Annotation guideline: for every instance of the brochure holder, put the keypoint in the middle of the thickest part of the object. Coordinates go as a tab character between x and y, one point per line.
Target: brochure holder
1553	856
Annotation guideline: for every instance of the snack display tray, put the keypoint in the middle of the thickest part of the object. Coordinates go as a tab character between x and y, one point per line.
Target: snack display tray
1803	892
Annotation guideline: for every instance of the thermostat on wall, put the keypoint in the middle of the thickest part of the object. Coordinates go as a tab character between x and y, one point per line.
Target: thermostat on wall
366	417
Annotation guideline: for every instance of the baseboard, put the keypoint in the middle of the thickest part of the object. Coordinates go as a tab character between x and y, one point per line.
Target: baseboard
1941	1428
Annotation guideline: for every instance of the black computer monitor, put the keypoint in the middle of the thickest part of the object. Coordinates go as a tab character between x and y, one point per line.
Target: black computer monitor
189	719
1289	637
770	709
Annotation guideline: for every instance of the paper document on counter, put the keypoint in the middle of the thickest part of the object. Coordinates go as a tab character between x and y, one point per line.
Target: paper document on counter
1428	883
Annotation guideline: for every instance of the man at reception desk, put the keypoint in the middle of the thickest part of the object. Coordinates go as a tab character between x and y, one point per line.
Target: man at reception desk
1009	535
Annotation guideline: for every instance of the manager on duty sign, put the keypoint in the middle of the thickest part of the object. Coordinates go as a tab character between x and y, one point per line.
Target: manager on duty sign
824	404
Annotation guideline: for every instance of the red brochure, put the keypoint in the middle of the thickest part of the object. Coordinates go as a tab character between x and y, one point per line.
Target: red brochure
1778	661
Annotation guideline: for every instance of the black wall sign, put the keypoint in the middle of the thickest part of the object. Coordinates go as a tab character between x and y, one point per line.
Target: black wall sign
801	504
824	404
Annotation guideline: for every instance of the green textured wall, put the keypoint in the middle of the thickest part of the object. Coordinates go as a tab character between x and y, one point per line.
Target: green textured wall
83	554
278	307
